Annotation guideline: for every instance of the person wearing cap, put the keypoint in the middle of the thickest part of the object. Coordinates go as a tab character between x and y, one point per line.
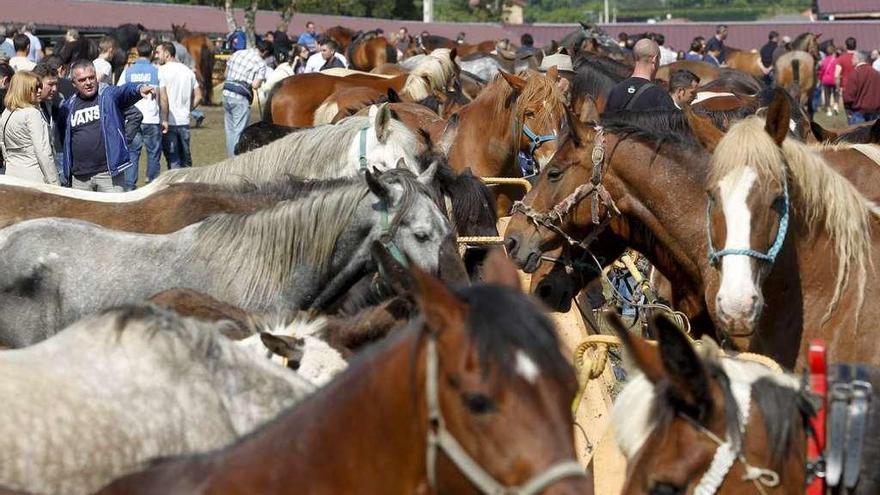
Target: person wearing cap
565	70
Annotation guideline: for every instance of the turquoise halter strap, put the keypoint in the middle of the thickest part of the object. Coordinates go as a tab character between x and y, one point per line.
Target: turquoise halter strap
387	238
362	158
535	140
770	255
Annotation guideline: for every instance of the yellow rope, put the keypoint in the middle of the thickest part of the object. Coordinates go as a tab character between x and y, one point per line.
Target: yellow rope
508	180
491	240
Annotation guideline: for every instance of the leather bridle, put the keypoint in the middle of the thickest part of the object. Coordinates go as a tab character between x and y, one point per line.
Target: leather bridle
439	438
595	190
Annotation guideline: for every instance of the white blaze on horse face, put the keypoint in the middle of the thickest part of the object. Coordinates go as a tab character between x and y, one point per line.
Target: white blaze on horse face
526	367
738	295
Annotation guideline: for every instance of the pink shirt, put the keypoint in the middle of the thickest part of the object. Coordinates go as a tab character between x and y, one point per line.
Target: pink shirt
826	70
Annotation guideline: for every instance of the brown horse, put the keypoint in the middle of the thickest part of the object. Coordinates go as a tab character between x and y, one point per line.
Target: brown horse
496	127
341	35
369	50
202	50
692	421
418	118
462	394
705	71
294	101
868	133
779	213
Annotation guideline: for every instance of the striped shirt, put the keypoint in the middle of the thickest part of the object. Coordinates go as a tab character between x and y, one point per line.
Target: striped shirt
246	66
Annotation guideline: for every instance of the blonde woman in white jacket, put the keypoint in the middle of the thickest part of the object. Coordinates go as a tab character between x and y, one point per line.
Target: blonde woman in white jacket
24	132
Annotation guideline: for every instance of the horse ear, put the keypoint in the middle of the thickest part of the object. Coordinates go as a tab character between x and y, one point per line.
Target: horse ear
515	82
874	135
822	134
778	116
381	122
453	53
687	375
393	97
376	187
589	112
281	345
427	177
498	270
703	128
438	305
645	356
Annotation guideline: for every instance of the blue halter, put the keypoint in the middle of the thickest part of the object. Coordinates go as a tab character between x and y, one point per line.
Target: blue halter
770	255
535	140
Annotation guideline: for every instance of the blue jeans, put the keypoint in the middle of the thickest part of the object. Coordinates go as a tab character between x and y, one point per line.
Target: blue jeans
862	117
236	114
149	137
175	144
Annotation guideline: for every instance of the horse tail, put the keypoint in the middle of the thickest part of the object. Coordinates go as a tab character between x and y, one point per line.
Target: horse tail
207	66
795	89
390	53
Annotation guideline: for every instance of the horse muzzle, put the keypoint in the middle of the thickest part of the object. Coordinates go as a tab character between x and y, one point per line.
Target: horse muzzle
523	253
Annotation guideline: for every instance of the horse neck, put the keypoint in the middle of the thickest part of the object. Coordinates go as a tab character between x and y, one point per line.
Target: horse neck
664	229
484	140
369	417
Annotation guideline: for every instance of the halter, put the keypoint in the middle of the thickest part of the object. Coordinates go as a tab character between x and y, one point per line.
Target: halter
535	140
387	238
727	453
594	189
440	438
362	153
770	255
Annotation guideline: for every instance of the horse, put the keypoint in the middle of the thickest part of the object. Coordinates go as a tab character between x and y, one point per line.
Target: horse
298	254
202	50
341	35
128	385
324	152
260	134
795	70
777	212
704	70
456	360
346	101
370	49
294	100
126	37
594	78
868	133
483	66
513	114
80	49
738	426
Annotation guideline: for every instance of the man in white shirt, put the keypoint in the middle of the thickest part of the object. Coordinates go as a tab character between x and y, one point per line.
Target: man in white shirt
316	61
103	69
22	44
35	52
179	93
667	56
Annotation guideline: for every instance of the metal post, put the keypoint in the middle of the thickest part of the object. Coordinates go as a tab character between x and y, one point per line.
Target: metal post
606	12
427	10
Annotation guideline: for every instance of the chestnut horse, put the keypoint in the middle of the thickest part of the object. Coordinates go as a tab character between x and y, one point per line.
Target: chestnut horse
513	115
693	421
430	42
782	221
461	399
294	100
202	50
868	133
368	50
341	35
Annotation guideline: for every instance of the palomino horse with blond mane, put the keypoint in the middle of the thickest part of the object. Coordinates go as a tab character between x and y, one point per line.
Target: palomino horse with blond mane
782	221
513	115
294	101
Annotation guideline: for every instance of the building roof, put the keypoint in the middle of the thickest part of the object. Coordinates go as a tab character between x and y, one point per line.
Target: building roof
848	7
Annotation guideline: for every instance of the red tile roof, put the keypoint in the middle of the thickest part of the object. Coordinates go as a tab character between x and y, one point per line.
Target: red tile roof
848	7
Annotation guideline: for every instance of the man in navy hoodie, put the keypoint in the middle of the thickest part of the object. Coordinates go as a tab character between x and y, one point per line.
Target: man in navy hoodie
92	125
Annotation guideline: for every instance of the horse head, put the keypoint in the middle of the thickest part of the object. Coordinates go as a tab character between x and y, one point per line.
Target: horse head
538	113
498	390
687	408
385	142
748	213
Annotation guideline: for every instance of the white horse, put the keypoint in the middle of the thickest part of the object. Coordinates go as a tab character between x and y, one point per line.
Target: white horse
115	390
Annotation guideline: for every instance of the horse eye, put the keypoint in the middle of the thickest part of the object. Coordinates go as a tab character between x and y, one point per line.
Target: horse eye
478	403
661	488
554	174
529	113
779	204
422	236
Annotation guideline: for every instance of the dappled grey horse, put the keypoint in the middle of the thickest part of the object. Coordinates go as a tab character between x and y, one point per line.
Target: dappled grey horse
296	255
115	390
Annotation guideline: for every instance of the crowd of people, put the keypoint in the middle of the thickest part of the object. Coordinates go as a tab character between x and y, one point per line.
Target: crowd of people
78	126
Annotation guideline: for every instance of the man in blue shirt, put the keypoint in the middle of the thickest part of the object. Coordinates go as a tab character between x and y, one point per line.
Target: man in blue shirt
91	121
148	135
309	39
716	43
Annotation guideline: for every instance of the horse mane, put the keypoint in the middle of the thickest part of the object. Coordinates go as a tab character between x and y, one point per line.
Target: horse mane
471	198
656	127
798	43
779	405
613	68
821	195
538	88
292	154
522	326
430	73
592	77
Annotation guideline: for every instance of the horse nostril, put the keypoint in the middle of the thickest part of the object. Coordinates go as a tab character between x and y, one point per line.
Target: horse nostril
510	245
